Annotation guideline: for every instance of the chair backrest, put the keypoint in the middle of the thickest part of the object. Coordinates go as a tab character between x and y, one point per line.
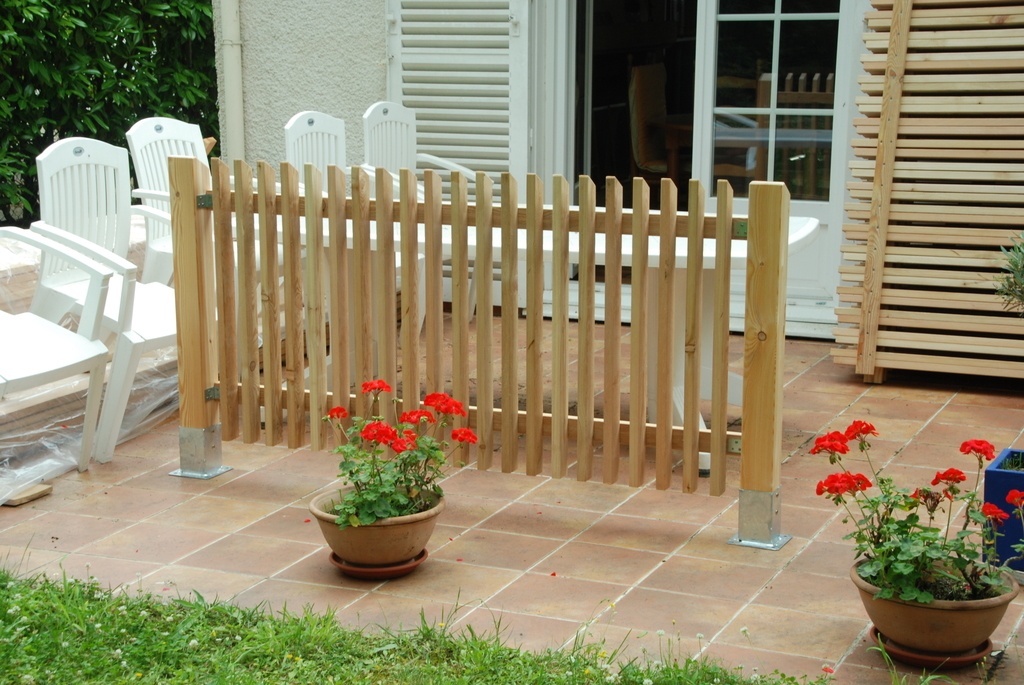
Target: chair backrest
315	138
154	139
85	188
389	136
646	106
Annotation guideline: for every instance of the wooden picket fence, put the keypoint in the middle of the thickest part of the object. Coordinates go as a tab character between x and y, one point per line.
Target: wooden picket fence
255	285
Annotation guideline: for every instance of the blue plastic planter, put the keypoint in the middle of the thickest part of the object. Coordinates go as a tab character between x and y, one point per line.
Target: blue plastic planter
998	482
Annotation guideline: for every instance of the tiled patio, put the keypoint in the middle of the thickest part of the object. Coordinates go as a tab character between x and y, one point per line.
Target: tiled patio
540	559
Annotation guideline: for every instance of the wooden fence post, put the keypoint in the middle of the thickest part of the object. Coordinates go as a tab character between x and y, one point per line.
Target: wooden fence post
764	343
199	432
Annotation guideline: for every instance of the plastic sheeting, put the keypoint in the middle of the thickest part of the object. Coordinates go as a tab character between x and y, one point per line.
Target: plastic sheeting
41	429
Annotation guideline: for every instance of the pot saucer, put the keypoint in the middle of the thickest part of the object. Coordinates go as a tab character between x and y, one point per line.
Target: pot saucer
931	660
385	572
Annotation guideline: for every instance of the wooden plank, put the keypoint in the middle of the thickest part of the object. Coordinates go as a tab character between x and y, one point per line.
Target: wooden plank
316	321
665	374
510	346
884	172
411	283
953	17
638	332
764	337
936	364
691	344
226	288
461	312
534	324
271	299
720	348
612	226
959	39
966	62
559	380
949	104
338	283
586	330
872	84
484	321
248	311
29	494
362	319
383	295
294	324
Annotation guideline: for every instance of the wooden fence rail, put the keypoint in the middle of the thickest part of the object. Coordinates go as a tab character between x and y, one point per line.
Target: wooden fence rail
279	322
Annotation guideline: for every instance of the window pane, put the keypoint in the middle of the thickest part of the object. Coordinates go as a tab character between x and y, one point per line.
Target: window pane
744	53
803	155
740	150
794	6
808	47
745	6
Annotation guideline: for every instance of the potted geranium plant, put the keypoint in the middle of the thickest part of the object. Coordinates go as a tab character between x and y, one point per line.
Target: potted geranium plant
1005	476
925	565
378	523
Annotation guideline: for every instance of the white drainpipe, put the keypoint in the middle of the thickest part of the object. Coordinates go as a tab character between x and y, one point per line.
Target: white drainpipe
232	123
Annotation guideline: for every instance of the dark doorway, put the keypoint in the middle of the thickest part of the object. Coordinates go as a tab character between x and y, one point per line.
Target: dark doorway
653	43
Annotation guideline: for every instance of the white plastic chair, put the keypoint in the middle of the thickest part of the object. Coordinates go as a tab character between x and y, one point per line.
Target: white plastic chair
151	141
35	351
84	200
389	141
315	138
85	189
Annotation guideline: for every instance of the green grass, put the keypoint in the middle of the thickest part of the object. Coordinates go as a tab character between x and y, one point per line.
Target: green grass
69	631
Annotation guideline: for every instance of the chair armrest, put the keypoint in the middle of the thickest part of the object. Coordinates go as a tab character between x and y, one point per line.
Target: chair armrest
434	160
89	323
118	264
150	194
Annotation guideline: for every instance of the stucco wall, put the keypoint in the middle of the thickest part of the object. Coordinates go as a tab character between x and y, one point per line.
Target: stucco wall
305	54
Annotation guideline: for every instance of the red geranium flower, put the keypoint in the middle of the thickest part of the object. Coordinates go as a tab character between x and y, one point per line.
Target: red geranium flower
400	445
416	416
379	432
464	435
376	386
1015	498
833	442
336	413
859	429
983	449
994	513
949	477
444	404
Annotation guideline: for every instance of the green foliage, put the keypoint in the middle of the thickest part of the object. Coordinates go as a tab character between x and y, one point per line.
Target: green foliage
67	631
93	68
1010	286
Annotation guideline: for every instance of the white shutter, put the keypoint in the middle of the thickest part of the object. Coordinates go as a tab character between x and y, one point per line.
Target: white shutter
461	65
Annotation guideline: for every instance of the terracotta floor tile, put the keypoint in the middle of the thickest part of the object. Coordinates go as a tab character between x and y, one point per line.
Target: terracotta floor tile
26	561
187	582
674	505
249	554
161	479
490	484
589	496
279	487
822	636
109	572
125	502
812	593
221	514
467	510
451	582
502	550
687	615
287	523
520	631
60	531
540	520
282	595
712	543
763	662
636	533
600	563
152	542
557	597
375	611
709	577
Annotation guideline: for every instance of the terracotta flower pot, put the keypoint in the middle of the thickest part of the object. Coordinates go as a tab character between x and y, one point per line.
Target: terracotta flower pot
939	627
386	542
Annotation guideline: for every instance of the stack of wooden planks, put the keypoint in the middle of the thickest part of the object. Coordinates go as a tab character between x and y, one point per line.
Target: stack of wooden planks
938	187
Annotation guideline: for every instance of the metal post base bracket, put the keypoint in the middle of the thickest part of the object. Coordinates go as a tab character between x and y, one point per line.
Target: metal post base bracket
200	453
760	515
